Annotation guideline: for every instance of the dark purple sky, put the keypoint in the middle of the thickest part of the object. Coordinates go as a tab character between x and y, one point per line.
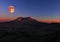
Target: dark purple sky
42	9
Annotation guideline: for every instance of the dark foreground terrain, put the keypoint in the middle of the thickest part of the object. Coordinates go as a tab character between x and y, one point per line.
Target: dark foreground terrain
29	30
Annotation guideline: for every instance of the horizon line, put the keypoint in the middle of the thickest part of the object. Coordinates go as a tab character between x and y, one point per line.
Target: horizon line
40	20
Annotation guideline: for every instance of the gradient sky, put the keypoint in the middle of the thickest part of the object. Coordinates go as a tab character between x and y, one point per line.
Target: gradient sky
41	9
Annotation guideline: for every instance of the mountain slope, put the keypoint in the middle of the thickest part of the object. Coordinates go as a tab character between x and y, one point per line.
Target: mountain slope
27	29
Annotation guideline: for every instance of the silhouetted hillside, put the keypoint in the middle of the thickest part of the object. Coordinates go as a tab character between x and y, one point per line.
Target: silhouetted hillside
27	29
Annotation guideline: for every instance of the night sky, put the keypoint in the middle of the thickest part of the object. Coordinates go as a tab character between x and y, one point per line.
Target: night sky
40	9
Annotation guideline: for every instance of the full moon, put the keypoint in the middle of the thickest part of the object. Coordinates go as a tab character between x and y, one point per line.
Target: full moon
11	9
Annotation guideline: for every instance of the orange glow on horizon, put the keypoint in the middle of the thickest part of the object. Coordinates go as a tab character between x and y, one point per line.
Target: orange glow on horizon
50	21
5	19
40	20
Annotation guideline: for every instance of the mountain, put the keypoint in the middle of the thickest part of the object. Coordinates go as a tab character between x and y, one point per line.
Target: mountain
25	20
22	22
27	29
